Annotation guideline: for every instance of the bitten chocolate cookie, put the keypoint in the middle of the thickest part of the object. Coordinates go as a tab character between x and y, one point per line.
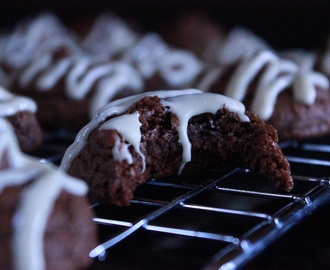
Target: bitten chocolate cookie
167	132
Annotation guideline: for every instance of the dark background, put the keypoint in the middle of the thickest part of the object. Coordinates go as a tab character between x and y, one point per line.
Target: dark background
283	23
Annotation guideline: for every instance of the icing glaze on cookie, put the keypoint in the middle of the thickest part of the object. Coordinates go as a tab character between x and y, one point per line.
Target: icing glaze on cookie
306	78
271	75
277	75
11	104
44	184
183	103
240	43
109	36
179	68
117	107
20	46
45	67
81	74
128	126
187	106
146	54
246	72
120	76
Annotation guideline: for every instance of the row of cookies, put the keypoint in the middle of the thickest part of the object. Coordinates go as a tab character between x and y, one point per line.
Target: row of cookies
70	76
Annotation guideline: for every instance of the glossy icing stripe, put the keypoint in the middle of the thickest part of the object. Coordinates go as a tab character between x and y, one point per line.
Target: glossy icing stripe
109	36
275	76
146	54
122	76
239	44
128	126
179	68
245	73
11	104
20	46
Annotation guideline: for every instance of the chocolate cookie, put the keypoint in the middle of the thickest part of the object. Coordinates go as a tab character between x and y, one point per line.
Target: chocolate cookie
163	133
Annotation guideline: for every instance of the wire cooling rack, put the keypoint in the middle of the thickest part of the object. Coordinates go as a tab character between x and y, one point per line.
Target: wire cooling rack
207	220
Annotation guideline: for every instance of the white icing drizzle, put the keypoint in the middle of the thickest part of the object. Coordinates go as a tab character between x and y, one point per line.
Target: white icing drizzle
116	107
128	126
51	76
188	106
109	78
21	45
264	102
277	76
146	54
109	36
11	104
179	68
240	43
80	85
43	63
34	68
123	76
275	79
306	82
246	72
184	103
79	70
76	74
306	78
81	73
37	199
